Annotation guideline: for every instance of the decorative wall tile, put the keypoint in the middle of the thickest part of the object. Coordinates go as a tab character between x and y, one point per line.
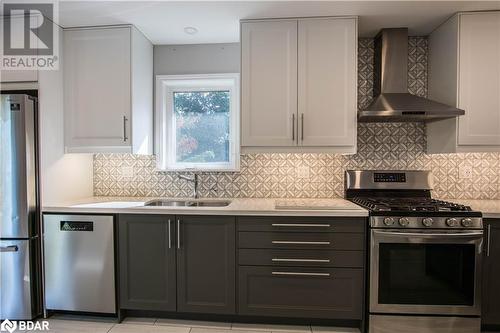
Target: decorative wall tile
380	146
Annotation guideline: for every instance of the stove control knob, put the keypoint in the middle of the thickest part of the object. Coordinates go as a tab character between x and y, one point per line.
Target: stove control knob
388	221
451	222
467	222
427	221
404	221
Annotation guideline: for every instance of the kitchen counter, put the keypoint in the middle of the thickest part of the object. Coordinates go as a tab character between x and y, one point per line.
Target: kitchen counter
489	208
239	206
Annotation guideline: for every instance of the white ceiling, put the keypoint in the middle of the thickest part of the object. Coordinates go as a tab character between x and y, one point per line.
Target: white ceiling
163	22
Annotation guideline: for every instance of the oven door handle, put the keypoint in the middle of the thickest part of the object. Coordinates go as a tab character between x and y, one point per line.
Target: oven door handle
474	237
469	235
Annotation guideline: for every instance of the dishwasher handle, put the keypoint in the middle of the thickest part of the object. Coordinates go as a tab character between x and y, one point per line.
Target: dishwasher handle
10	248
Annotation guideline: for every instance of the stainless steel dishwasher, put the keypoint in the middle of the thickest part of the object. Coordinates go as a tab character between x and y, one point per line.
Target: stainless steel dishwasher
79	263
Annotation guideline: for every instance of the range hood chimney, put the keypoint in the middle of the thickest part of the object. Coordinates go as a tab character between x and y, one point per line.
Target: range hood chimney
392	101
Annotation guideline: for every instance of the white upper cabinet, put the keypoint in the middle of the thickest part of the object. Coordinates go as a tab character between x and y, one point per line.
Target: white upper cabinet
299	83
269	83
464	70
108	82
327	93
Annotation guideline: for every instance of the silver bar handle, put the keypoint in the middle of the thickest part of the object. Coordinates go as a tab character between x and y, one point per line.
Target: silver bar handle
11	248
300	242
178	233
473	234
302	127
298	260
125	138
300	274
489	241
316	225
293	126
169	235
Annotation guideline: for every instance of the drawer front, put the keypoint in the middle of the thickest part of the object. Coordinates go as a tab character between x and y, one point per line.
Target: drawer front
303	258
302	224
294	240
301	292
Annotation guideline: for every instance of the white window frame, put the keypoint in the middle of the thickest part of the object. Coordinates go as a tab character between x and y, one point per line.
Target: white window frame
166	86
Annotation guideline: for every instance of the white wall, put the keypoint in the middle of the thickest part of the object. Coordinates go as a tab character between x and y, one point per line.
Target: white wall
197	59
64	177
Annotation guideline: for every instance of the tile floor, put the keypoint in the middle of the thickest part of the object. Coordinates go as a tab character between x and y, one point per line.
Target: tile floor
77	324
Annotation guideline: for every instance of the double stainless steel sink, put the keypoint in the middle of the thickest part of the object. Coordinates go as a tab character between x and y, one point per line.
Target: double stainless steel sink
188	203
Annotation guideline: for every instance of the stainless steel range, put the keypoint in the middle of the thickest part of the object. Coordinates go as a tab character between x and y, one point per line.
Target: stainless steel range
425	255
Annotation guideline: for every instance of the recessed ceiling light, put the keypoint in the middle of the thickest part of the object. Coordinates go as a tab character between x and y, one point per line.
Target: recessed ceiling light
190	30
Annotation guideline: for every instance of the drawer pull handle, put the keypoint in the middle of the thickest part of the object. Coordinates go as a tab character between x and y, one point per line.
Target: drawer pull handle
301	225
300	274
298	260
300	243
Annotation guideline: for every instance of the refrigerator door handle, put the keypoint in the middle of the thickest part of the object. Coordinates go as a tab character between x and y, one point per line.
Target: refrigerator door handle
11	248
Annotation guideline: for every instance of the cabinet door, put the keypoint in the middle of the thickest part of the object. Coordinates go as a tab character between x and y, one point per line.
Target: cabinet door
327	95
491	275
479	79
97	92
147	262
333	293
206	264
269	83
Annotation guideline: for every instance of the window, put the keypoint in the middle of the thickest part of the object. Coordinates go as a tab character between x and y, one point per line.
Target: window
197	122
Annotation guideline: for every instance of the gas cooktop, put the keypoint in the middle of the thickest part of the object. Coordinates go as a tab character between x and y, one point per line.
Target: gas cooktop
409	205
400	193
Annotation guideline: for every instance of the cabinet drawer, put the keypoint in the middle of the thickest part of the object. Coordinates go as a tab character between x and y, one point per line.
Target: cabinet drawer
294	240
302	224
303	258
301	292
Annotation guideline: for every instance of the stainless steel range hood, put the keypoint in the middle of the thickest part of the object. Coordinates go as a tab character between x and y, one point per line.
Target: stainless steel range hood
392	101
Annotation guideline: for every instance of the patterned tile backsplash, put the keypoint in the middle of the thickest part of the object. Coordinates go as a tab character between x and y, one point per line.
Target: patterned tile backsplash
380	146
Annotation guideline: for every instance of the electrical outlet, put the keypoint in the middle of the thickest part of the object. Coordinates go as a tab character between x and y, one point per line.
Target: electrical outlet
303	172
465	171
127	171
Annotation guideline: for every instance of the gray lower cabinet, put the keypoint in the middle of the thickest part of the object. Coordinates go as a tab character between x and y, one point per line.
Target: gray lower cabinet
301	240
147	262
305	267
287	267
491	274
206	267
177	263
334	293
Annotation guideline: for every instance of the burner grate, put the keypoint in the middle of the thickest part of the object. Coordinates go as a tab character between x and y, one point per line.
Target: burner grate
409	205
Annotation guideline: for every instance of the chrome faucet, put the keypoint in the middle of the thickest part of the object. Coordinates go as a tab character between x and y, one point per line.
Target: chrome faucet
193	180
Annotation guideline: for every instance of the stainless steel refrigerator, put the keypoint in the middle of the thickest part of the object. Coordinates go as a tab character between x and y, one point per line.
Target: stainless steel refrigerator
20	283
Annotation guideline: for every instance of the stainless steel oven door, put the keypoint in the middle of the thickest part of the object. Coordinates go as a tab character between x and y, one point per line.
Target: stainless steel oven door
426	272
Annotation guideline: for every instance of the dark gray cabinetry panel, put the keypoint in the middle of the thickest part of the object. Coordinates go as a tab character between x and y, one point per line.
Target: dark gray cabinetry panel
301	240
334	293
491	274
306	258
206	264
301	224
306	267
147	263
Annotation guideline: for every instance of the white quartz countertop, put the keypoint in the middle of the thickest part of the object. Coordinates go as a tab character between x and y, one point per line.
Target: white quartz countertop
238	206
489	208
